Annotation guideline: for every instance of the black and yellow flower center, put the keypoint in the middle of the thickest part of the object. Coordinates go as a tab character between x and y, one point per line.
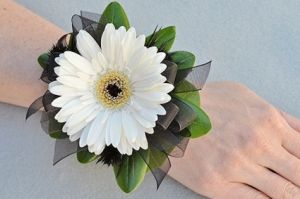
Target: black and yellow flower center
113	89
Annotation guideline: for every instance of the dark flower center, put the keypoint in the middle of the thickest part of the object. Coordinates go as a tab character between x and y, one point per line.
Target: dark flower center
113	90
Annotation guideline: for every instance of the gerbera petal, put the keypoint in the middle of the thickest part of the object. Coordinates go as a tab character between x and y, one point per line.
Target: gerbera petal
100	145
61	71
129	126
79	62
107	131
65	64
96	65
93	115
140	41
141	140
74	82
80	118
92	148
149	130
64	90
53	84
146	72
146	113
74	129
61	101
68	109
75	136
115	128
107	43
144	142
145	83
122	32
122	147
129	150
100	141
86	45
144	122
84	135
160	57
159	97
84	77
97	127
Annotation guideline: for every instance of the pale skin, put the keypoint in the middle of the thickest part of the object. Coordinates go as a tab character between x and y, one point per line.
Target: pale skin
252	151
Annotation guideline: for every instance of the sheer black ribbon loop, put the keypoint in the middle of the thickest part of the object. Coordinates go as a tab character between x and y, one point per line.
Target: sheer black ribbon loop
158	162
195	76
42	102
65	148
171	112
90	15
47	100
167	141
163	143
170	72
49	124
34	107
184	118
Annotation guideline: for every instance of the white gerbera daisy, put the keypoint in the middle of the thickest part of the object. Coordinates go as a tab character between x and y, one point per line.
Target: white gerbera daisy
110	95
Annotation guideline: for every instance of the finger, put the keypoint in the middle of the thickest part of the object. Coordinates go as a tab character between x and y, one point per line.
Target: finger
285	164
272	184
292	121
239	190
291	142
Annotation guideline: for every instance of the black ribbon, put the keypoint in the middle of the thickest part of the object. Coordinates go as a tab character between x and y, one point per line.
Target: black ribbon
170	136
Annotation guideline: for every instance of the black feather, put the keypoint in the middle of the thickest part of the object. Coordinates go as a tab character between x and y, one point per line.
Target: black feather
110	156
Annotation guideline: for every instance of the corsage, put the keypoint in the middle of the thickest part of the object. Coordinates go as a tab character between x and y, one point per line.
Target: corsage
121	98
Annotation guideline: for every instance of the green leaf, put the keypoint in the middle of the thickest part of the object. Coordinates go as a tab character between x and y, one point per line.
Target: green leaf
130	172
58	135
183	59
201	125
192	97
185	62
43	60
115	14
163	39
55	129
85	156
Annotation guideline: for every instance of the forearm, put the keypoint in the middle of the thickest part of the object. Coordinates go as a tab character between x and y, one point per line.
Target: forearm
24	36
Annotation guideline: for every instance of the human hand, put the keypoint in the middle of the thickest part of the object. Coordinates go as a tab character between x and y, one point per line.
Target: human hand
252	151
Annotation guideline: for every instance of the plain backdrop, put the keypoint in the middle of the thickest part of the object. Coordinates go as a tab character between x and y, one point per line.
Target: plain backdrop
253	42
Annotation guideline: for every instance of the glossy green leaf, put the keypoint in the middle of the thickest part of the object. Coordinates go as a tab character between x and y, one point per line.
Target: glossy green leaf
115	14
163	39
85	156
191	97
183	59
201	125
131	172
43	60
58	135
55	129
